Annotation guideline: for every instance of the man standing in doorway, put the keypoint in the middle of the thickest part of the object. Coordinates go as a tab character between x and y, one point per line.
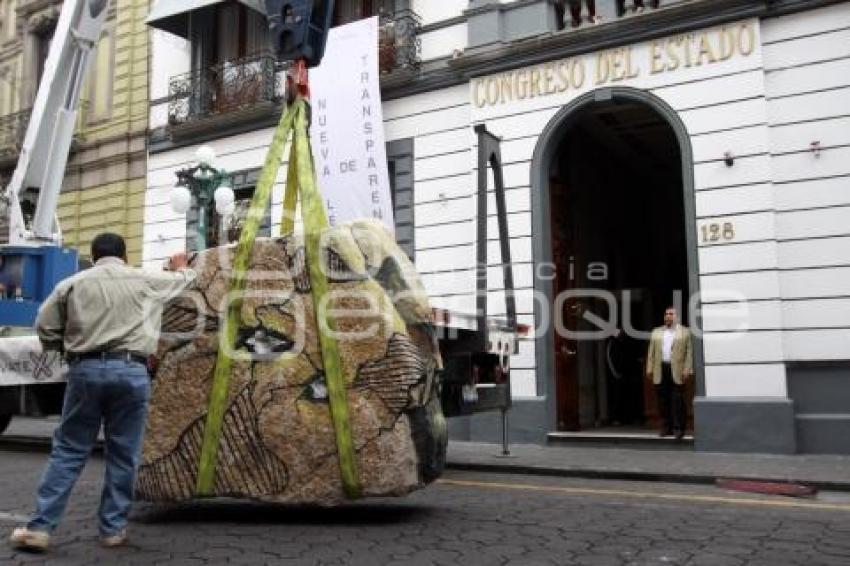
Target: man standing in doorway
106	320
669	363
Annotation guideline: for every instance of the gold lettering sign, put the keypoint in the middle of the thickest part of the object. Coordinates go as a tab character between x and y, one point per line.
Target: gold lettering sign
542	80
616	65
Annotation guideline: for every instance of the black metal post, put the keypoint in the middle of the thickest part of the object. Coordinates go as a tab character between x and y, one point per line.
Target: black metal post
490	155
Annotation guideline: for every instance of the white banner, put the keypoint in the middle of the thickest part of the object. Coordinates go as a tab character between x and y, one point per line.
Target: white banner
348	126
23	362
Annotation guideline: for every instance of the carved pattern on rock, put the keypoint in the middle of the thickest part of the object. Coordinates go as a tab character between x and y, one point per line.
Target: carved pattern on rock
278	439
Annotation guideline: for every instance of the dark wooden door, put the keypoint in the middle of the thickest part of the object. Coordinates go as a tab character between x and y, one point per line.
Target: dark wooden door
563	255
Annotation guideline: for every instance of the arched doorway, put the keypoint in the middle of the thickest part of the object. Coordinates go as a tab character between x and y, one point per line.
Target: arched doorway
613	206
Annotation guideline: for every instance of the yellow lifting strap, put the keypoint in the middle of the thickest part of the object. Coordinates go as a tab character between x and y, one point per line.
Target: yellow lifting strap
301	182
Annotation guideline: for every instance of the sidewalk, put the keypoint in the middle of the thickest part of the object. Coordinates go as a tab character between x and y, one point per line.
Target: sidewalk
597	462
682	466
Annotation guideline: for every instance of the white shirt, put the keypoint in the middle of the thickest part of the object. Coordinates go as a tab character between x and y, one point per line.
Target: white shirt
667	344
110	306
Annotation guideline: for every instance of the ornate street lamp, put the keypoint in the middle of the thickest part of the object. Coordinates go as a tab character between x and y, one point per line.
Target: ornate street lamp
206	184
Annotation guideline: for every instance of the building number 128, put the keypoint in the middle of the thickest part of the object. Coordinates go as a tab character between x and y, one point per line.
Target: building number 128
716	232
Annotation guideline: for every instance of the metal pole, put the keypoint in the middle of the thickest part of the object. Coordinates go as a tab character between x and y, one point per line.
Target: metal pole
505	450
202	225
481	294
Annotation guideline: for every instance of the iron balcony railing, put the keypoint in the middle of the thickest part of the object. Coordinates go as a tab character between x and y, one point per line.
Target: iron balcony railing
13	127
244	83
399	43
577	13
223	88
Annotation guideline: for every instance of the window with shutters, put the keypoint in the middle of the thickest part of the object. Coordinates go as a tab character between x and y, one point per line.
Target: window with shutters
101	79
43	38
400	166
239	32
7	20
232	66
346	11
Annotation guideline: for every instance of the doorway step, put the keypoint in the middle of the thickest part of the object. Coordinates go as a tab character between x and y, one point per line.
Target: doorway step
609	437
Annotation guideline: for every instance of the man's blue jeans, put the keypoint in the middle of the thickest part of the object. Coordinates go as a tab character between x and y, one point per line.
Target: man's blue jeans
112	392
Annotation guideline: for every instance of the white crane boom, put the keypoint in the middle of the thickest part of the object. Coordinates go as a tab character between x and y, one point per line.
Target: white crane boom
44	155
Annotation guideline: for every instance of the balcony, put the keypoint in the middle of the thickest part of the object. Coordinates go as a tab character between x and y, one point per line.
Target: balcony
399	44
13	127
247	93
572	14
233	91
501	36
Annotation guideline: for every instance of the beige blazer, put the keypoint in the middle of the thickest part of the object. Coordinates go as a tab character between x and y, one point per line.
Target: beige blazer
681	356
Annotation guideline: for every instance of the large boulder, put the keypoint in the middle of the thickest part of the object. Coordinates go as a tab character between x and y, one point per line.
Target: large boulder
277	442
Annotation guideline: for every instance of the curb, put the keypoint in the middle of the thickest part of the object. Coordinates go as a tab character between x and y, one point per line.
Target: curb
625	475
42	444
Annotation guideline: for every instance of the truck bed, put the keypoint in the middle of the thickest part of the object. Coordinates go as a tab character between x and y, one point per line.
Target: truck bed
23	362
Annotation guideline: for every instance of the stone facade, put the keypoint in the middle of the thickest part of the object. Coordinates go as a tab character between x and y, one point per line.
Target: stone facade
105	176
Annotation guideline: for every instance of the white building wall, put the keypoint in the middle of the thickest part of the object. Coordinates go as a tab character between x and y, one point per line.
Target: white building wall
723	108
441	40
432	11
170	57
789	262
807	77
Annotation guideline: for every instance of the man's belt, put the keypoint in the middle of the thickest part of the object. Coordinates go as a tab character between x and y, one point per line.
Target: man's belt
104	355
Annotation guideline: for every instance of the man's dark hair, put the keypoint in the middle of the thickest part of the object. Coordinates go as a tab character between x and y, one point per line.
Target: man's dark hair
108	245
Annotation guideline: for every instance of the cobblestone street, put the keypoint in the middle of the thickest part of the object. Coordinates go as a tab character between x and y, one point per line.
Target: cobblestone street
465	519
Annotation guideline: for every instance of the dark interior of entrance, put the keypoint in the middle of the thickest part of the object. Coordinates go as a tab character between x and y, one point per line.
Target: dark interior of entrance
618	230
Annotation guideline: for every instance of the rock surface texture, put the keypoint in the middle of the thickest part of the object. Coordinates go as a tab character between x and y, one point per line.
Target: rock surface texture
278	441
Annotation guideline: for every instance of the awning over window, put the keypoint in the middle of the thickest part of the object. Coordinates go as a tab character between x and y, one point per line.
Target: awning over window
173	15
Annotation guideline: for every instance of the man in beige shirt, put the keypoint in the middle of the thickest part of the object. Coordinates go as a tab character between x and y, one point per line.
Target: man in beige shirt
106	320
669	363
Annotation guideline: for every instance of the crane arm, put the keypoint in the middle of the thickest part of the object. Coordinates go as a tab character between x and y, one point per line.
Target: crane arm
44	154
